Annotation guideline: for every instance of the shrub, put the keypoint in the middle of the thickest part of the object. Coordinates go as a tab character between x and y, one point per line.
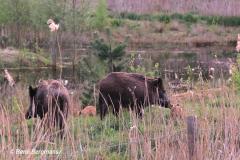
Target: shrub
101	15
236	74
164	18
177	16
116	22
190	18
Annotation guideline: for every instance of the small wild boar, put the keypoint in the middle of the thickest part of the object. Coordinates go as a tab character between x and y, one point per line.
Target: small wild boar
88	111
49	98
130	90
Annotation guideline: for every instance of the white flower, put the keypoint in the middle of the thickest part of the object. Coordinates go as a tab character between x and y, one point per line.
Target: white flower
65	82
52	25
212	69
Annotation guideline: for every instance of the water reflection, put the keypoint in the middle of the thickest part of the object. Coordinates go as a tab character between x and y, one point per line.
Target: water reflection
176	62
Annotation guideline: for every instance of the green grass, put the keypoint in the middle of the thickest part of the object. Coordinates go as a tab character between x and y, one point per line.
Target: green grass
27	58
89	137
186	18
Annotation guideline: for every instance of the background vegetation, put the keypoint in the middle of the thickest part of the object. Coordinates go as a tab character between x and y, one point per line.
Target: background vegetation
100	37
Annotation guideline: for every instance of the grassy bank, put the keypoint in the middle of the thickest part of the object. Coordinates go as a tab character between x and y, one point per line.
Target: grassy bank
14	58
186	18
158	135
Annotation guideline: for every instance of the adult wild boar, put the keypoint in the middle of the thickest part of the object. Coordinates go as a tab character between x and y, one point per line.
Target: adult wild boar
130	90
49	98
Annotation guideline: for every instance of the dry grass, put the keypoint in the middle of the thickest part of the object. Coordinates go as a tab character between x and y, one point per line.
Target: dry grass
156	136
153	34
205	7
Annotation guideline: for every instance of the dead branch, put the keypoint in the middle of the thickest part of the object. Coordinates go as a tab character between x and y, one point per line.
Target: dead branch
9	78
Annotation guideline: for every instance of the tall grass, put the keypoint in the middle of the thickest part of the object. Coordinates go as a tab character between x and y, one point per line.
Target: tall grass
204	7
156	136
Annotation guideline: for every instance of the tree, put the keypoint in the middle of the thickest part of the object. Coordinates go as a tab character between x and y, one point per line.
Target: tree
101	15
108	52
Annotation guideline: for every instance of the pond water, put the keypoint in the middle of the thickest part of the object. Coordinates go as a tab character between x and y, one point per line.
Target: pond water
172	63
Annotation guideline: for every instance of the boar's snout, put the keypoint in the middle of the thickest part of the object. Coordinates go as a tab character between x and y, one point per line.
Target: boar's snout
28	115
165	102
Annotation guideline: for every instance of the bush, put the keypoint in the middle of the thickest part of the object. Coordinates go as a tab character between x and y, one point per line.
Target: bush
236	74
116	22
101	15
177	16
164	18
190	18
220	20
131	16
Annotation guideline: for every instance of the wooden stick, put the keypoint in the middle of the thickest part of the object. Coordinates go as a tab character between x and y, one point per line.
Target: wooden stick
9	78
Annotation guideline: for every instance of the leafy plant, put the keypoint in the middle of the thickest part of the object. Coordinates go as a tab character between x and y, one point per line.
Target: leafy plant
110	53
101	16
236	74
144	66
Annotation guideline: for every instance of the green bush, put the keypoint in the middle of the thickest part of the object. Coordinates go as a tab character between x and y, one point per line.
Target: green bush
164	18
131	16
177	16
144	66
101	15
190	18
236	79
116	22
220	20
236	74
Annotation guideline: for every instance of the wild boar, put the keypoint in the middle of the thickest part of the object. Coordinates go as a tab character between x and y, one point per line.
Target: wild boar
49	98
130	90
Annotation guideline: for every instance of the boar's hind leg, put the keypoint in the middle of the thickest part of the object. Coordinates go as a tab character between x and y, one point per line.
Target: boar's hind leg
102	107
116	107
139	111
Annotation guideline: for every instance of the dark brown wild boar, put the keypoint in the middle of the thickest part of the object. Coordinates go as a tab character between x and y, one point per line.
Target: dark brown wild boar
49	98
130	90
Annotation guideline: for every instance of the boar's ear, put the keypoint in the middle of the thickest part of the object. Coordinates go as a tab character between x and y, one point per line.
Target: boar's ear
159	83
32	91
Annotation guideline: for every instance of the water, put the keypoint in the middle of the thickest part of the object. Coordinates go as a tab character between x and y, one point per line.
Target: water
172	63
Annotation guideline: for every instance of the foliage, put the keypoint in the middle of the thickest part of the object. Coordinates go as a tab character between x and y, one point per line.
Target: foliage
116	22
157	17
105	58
220	20
111	54
163	18
236	74
143	66
187	18
91	69
27	58
101	15
5	12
